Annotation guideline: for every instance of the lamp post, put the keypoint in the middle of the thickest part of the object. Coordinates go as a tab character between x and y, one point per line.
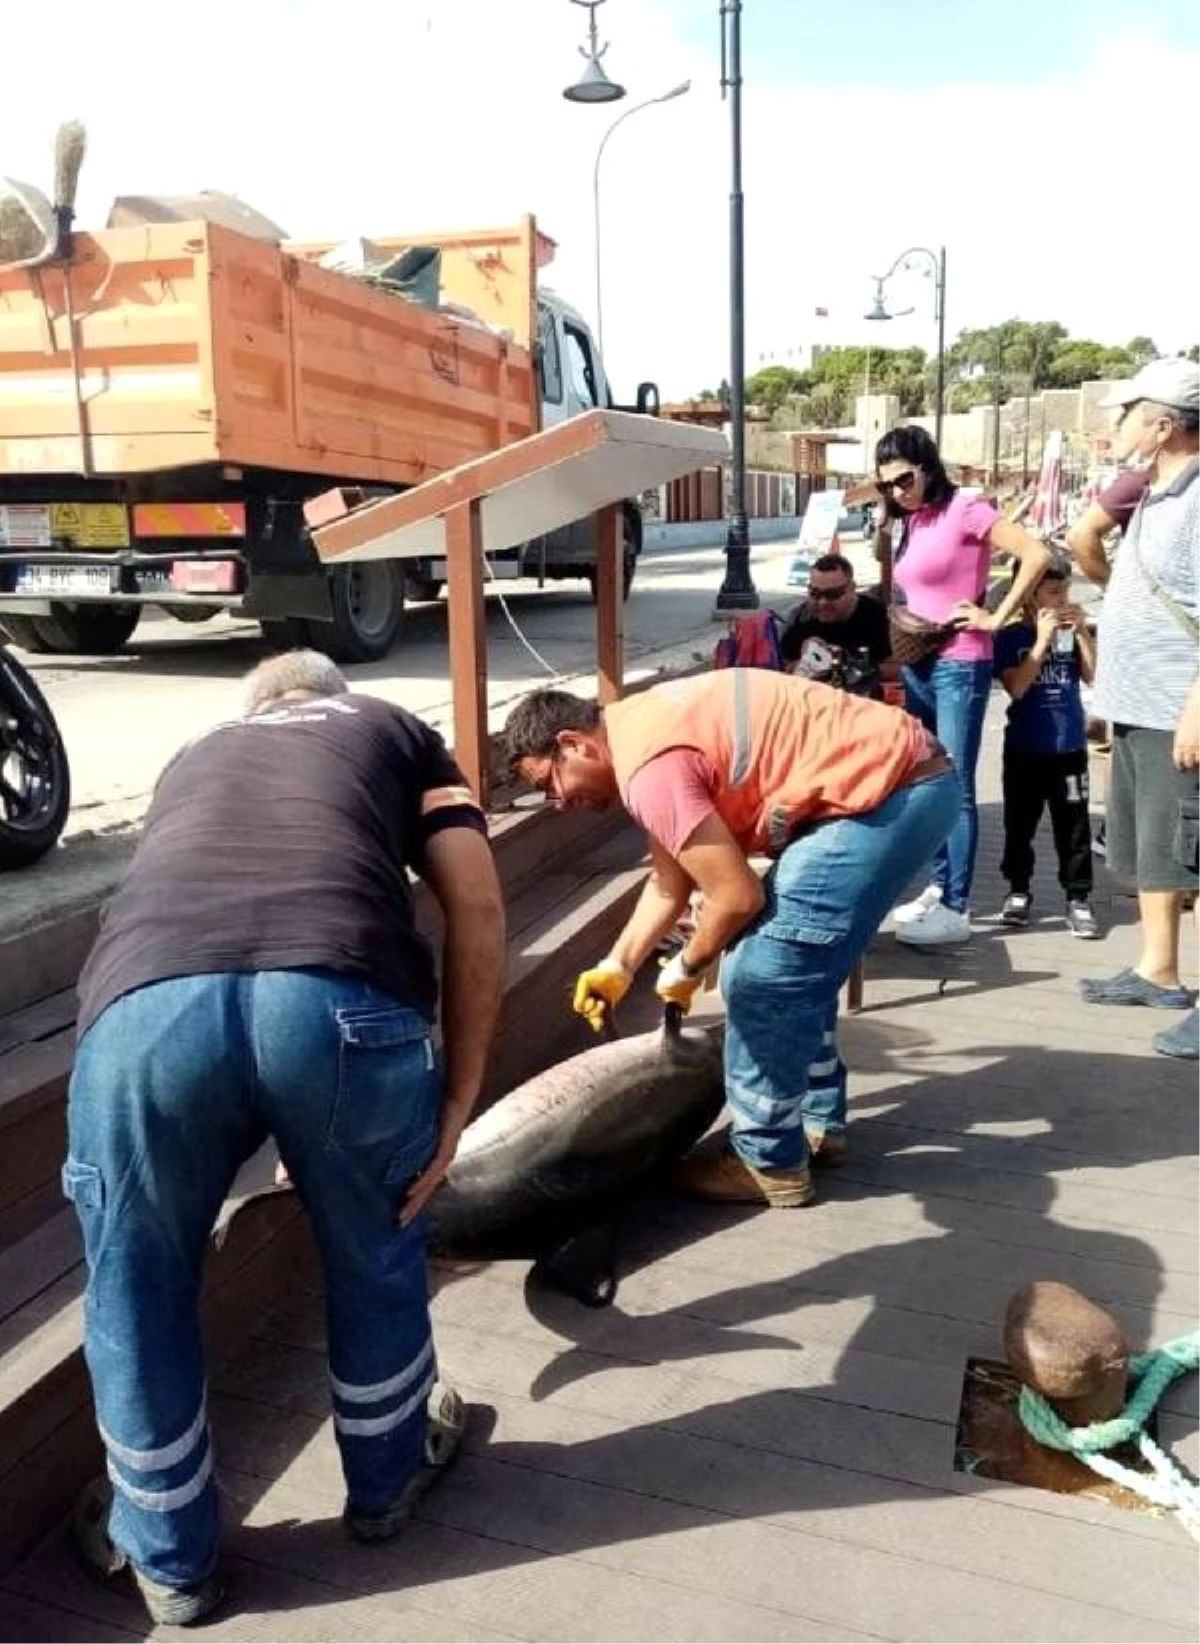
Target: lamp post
737	591
593	85
665	97
937	260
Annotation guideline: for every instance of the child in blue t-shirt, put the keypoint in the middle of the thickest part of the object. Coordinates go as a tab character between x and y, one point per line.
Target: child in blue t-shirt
1041	661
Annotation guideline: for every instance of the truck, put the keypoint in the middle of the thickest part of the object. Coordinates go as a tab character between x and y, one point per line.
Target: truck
172	393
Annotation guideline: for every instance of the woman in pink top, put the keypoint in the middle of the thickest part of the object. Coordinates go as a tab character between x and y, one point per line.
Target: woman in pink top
941	573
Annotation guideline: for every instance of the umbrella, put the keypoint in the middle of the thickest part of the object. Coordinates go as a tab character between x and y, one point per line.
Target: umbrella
1048	515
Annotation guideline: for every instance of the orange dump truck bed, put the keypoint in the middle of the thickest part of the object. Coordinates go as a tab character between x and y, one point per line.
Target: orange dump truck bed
196	344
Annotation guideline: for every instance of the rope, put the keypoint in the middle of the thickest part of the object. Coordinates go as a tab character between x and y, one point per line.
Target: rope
1167	1484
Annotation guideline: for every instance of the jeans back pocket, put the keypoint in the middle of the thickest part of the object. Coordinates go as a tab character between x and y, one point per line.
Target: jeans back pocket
389	1085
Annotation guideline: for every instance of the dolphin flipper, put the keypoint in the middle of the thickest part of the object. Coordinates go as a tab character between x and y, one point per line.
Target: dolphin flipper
583	1267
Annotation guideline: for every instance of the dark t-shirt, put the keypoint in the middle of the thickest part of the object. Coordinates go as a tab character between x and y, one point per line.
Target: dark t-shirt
865	630
283	841
1050	717
1119	500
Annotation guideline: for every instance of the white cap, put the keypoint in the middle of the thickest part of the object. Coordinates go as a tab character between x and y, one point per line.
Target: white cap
1174	382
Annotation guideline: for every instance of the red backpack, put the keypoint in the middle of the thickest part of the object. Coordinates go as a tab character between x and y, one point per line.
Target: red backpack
751	642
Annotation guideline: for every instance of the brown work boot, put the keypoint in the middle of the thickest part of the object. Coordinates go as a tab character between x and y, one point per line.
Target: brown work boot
715	1171
826	1149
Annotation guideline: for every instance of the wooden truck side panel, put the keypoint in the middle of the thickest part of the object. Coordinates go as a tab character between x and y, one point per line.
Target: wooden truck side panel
491	271
199	345
143	331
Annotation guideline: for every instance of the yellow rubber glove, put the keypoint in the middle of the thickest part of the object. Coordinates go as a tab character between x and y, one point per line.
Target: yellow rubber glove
601	990
673	987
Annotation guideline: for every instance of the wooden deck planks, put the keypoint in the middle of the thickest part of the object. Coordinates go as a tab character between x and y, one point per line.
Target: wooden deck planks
756	1442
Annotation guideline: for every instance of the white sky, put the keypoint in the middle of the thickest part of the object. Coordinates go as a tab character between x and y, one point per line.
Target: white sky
1070	201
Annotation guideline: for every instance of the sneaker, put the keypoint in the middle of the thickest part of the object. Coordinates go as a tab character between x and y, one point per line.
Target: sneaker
918	907
446	1418
167	1606
1016	908
1081	921
716	1172
937	927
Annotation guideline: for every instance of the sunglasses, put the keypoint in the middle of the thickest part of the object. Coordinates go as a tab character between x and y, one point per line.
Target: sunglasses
902	482
828	593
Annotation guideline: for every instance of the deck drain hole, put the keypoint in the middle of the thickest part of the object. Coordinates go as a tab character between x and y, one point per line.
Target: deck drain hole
991	1443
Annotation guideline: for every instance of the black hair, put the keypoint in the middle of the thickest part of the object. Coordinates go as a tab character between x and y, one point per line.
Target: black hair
910	443
833	562
532	729
1058	570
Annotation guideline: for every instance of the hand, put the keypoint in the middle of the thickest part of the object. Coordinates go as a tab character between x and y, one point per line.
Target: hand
422	1187
969	615
600	990
1074	616
1186	749
674	988
1048	623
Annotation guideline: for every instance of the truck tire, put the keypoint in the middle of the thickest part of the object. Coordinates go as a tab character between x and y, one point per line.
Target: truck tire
99	630
632	545
628	569
421	588
24	631
368	608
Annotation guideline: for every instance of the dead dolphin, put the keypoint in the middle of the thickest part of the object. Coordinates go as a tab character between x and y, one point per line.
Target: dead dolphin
541	1175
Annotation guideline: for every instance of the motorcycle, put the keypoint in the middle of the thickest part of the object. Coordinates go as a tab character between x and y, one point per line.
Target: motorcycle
35	783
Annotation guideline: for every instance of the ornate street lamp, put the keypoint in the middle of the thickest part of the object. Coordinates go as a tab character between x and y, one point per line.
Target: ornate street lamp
593	85
880	311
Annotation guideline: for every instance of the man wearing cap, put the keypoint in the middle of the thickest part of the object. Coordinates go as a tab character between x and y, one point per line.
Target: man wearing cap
1146	685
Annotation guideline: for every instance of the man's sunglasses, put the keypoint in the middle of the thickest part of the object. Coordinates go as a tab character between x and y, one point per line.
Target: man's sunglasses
902	482
828	593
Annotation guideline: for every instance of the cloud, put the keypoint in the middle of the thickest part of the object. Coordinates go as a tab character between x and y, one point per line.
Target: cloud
1060	201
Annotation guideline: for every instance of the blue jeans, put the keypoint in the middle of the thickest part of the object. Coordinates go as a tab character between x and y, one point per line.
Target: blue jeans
826	897
174	1086
950	698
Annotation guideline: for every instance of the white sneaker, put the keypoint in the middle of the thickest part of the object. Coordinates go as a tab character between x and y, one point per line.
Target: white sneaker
919	907
937	926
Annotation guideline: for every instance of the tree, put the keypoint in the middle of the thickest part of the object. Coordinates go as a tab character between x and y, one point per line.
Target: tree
1193	352
772	385
1141	351
1085	361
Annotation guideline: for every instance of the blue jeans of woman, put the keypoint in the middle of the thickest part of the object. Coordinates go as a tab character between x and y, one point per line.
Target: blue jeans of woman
826	897
950	698
174	1086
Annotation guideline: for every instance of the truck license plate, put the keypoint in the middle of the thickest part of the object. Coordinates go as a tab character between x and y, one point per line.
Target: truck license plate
63	580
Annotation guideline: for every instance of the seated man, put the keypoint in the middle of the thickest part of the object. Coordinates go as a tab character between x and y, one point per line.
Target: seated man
834	625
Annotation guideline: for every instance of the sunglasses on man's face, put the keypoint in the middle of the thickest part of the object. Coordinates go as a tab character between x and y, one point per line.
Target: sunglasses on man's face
899	482
828	593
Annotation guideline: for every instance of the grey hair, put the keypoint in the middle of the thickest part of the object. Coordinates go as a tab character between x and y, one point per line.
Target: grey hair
279	676
1186	420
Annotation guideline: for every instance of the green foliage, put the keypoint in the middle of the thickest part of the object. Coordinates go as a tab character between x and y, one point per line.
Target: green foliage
982	365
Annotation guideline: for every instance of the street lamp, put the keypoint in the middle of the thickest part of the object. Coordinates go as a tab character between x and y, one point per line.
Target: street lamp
665	97
593	85
879	311
737	591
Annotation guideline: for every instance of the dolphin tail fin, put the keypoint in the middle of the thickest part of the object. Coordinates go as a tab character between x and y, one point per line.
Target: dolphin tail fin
583	1267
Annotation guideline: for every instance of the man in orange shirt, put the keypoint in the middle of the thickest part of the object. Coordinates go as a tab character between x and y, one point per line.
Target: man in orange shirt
851	797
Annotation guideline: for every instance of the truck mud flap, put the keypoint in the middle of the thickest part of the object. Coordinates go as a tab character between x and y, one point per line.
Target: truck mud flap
269	597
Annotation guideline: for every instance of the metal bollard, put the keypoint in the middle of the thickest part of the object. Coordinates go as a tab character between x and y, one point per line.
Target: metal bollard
1075	1355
